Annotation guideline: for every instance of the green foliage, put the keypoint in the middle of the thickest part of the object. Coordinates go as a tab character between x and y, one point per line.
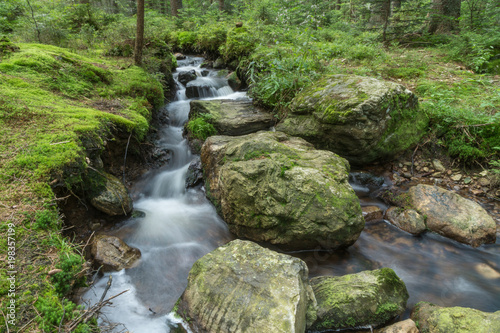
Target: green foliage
475	49
468	130
200	128
47	219
71	265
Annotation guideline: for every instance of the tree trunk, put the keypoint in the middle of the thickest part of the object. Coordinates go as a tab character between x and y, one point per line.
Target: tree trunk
444	16
338	6
221	5
175	5
380	12
139	39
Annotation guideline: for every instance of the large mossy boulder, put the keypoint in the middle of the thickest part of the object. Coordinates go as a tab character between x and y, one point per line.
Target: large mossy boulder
272	187
453	216
112	196
360	118
365	299
243	287
230	117
112	253
436	319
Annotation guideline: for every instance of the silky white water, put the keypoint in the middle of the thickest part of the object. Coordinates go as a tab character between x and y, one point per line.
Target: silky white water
179	227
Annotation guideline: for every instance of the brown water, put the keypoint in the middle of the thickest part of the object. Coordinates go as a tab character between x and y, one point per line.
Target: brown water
434	268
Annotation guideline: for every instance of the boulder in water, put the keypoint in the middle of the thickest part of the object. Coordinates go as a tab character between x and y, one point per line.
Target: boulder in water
243	287
187	76
231	117
436	319
113	199
272	187
453	216
369	298
194	174
362	119
113	254
406	219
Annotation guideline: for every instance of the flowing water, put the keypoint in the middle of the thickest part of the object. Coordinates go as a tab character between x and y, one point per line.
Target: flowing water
181	226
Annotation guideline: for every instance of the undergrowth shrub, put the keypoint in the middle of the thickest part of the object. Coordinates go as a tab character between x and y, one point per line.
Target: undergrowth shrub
71	265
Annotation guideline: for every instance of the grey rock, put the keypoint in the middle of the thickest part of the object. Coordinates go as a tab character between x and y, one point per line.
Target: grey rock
113	254
362	119
453	216
243	287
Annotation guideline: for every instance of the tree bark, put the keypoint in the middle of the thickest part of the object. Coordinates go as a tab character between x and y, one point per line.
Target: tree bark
175	5
221	5
139	39
444	16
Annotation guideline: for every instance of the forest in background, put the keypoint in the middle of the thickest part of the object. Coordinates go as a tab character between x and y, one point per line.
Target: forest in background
446	51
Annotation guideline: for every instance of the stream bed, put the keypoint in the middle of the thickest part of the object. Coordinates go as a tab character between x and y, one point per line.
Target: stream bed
180	226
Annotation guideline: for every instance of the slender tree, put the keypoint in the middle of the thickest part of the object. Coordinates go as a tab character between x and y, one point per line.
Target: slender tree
221	5
175	5
444	15
139	39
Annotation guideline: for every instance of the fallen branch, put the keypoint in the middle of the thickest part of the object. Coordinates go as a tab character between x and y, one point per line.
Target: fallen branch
95	308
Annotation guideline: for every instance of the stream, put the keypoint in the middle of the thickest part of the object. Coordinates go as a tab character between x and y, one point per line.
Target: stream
180	226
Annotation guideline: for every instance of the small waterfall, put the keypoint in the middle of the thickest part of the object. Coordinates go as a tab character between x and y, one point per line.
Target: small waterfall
179	226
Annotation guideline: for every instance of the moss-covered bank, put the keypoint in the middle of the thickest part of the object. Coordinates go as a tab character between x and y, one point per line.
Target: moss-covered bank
59	111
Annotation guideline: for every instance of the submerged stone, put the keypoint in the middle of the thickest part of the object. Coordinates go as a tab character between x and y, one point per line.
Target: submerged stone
243	287
435	319
365	299
362	119
113	254
453	216
271	187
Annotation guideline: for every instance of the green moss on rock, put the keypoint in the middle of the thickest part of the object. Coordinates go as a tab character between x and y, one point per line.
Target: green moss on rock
369	298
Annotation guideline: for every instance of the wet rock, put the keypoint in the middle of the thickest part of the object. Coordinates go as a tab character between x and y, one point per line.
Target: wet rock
179	56
365	178
231	117
276	188
433	318
219	63
362	119
438	166
407	220
205	72
372	213
194	174
243	287
369	298
405	326
186	76
453	216
113	253
113	198
234	81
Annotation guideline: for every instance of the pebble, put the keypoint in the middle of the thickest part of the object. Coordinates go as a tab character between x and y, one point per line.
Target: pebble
449	172
484	182
483	173
467	180
426	169
437	174
438	166
456	177
456	188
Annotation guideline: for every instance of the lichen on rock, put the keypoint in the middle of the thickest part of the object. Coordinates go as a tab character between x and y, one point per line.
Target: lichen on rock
243	287
362	119
369	298
271	187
